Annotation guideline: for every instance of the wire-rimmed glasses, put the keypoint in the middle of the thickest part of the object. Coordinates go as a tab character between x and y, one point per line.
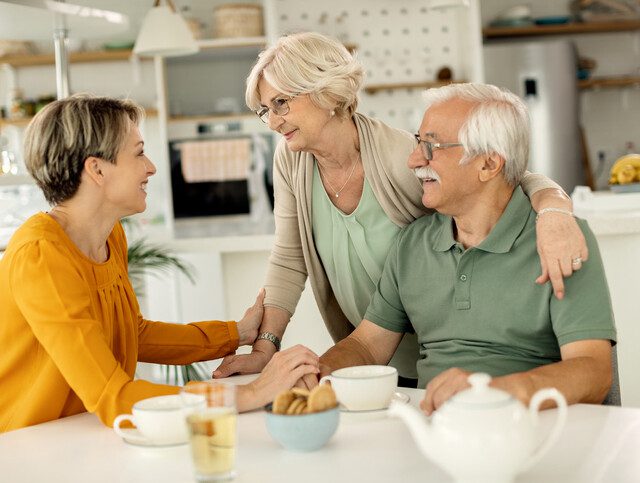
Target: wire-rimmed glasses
428	147
279	106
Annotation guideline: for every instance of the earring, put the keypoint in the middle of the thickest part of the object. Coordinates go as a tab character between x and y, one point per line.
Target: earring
332	113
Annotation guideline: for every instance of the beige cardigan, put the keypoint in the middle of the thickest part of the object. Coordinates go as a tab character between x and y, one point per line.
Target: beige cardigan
384	151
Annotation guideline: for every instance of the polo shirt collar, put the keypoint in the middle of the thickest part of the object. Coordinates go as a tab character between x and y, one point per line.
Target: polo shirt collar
501	238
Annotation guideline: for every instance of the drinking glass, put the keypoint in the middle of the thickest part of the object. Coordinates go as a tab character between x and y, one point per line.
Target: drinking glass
211	422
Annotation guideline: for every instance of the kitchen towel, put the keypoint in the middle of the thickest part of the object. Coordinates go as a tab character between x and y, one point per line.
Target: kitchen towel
215	160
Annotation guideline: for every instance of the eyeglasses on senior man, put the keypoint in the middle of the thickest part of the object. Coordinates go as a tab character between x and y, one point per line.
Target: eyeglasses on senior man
279	106
428	147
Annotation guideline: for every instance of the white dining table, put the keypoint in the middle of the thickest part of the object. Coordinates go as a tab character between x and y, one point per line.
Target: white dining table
598	444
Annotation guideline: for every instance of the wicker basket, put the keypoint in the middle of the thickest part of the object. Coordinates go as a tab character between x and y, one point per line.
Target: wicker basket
237	20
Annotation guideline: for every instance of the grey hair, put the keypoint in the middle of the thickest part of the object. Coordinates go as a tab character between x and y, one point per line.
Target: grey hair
309	63
66	132
499	124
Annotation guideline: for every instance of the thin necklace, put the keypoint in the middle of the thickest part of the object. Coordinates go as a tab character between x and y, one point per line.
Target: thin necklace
337	192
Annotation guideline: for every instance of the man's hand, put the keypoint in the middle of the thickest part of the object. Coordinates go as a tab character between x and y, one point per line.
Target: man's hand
242	364
248	326
442	387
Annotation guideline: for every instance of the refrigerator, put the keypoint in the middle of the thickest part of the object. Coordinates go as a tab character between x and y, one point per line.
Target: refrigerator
543	73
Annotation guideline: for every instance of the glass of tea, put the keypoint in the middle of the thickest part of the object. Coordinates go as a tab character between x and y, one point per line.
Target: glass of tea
210	409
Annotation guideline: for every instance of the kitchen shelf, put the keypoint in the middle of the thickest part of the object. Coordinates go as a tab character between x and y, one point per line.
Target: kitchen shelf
74	57
561	29
374	88
23	121
609	82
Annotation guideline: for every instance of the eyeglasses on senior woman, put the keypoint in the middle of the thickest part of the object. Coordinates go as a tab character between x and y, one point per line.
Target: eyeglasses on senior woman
428	147
279	106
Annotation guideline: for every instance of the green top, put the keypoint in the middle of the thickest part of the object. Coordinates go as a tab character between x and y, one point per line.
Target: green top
353	249
479	309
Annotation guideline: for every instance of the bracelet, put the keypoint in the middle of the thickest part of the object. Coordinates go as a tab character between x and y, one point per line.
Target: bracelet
271	338
554	210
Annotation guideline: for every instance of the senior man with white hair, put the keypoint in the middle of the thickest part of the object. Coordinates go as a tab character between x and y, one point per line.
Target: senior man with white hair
461	278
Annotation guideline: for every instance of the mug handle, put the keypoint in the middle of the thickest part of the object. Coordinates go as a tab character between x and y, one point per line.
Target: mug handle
534	409
118	421
324	379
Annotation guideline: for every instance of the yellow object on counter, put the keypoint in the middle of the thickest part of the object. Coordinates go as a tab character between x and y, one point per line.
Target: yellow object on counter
626	170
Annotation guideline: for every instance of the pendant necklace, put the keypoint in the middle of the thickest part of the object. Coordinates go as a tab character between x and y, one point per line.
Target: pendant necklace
337	192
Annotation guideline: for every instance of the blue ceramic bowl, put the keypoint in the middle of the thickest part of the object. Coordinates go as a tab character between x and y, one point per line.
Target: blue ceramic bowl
303	432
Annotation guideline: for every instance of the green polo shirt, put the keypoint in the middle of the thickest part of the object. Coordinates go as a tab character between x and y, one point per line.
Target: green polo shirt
479	309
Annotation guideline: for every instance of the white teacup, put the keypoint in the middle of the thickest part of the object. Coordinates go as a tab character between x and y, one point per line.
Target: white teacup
364	388
160	420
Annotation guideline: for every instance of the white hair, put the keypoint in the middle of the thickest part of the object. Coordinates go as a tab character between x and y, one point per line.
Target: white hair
309	63
498	124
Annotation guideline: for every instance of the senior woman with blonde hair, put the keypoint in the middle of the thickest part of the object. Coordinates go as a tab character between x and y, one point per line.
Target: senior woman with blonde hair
71	331
343	192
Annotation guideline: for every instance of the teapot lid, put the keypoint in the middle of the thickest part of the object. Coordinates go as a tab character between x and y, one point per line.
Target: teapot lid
480	393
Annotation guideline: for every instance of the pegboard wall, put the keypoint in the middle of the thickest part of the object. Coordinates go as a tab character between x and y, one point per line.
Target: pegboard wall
397	43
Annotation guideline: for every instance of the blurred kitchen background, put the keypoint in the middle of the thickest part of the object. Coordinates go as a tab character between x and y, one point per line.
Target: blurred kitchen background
576	64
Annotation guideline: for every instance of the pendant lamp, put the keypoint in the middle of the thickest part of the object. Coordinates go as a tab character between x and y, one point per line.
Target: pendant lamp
165	33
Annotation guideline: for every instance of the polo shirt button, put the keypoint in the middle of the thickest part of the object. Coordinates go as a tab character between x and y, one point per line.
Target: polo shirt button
463	278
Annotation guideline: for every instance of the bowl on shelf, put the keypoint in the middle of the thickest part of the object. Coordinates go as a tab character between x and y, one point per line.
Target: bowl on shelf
552	20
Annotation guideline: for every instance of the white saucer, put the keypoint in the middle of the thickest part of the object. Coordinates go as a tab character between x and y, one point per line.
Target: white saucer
368	415
134	437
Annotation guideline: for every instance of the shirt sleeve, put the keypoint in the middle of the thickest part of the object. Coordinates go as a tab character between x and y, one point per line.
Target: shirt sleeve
585	312
286	273
386	308
166	343
533	182
55	300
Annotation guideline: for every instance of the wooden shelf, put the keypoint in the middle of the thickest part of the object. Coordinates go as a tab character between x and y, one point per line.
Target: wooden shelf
23	121
561	29
374	88
609	82
75	57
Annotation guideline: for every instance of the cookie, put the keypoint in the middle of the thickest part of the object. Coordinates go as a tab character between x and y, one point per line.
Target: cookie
321	398
282	402
300	391
295	405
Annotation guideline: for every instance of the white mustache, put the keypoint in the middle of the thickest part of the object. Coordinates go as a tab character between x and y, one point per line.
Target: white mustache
424	172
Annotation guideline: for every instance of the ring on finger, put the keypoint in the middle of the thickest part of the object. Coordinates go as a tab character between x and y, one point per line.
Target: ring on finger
576	261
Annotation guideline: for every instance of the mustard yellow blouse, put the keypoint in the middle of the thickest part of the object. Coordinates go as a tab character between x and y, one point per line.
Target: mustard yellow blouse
71	331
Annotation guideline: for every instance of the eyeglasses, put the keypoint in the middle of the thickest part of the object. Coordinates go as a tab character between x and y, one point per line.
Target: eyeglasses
279	106
428	147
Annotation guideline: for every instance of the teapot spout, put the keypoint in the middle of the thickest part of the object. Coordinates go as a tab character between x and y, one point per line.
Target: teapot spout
418	425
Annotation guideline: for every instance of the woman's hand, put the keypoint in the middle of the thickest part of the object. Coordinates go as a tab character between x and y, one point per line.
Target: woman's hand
281	373
242	364
248	326
562	249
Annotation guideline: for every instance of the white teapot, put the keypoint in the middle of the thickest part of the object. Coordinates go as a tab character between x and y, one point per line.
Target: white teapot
483	434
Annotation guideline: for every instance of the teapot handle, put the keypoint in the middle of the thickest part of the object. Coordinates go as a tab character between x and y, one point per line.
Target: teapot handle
534	408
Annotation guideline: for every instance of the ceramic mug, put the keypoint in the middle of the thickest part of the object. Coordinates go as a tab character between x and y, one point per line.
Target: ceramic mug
364	388
160	420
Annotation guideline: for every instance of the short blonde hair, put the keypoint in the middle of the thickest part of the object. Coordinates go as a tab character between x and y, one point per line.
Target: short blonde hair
309	63
66	132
